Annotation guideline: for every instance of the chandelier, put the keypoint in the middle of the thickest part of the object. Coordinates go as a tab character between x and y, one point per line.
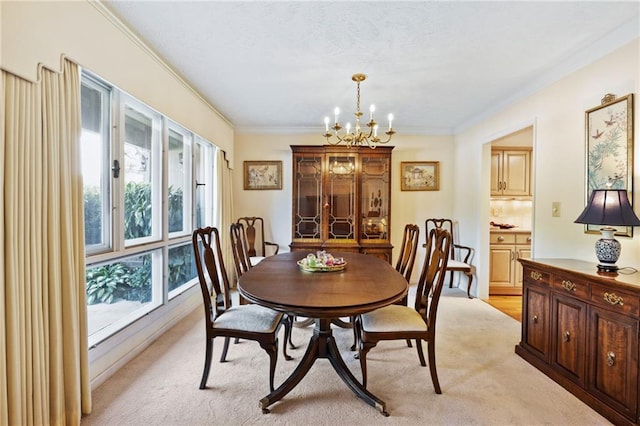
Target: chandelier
356	135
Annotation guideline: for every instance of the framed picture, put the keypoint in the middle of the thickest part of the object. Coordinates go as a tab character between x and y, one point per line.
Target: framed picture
420	176
609	136
263	175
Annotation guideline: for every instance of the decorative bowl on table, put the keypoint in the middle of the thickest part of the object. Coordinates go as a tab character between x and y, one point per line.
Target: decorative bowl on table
322	262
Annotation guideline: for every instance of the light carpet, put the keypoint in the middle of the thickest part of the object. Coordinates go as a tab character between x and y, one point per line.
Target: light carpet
483	381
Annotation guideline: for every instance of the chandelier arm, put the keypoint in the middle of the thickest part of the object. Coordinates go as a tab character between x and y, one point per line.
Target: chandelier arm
330	141
390	133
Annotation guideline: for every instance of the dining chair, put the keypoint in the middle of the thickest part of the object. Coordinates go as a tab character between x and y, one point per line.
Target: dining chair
242	264
404	265
239	249
457	252
248	322
257	247
407	255
396	322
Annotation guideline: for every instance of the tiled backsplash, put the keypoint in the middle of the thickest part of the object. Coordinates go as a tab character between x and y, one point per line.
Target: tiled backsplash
512	212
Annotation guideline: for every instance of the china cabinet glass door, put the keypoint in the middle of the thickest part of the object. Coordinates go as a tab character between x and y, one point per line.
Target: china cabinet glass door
375	199
307	198
341	195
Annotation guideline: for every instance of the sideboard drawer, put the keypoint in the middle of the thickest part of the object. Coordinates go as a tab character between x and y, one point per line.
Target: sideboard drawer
615	299
571	286
536	277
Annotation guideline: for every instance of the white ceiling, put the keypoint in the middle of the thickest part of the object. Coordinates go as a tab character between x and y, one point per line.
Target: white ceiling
438	66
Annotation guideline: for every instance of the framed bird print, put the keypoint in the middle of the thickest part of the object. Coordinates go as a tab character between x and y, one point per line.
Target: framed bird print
609	135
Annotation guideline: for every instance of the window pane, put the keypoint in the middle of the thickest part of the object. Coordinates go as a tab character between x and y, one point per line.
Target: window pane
176	181
179	173
95	172
182	268
139	196
203	159
119	292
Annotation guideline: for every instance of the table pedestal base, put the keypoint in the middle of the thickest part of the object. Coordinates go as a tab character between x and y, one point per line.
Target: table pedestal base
322	345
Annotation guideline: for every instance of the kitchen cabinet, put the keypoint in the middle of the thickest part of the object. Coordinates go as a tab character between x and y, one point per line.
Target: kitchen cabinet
341	199
580	327
511	172
505	272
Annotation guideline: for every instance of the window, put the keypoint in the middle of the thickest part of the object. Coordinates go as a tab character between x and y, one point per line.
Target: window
140	203
142	173
179	172
203	164
95	102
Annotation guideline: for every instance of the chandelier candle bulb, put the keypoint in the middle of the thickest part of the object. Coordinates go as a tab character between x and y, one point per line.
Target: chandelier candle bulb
336	112
326	124
372	108
390	120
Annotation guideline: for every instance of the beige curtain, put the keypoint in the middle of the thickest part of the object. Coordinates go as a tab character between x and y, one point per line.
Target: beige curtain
44	374
224	208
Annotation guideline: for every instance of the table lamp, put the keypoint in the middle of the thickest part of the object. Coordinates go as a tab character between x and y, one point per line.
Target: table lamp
609	207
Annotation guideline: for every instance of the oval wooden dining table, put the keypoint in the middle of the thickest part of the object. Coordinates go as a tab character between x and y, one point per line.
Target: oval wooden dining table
365	284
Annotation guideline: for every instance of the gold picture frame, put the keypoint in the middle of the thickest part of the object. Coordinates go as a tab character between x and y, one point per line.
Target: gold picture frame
420	176
609	146
262	175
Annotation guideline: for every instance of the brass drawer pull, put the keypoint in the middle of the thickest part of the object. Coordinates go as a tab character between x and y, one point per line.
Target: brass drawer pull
501	238
568	285
536	275
566	336
611	358
535	319
613	299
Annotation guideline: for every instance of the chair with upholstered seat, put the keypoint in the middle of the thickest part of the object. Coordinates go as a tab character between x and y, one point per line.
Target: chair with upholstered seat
396	322
404	264
257	247
243	263
460	256
247	322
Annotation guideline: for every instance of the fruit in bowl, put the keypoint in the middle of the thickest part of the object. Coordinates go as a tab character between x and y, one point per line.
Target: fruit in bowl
322	258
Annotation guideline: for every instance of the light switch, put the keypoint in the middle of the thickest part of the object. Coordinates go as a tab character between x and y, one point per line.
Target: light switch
555	209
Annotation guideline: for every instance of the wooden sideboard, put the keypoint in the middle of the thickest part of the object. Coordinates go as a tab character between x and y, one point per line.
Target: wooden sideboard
581	328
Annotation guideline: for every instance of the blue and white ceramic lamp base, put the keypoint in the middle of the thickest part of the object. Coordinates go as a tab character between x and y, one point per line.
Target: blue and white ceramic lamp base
607	250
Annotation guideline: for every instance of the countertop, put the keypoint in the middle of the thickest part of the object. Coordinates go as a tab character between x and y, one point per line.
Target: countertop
510	231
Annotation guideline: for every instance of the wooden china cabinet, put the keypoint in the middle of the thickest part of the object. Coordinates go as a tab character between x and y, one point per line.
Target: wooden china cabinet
342	199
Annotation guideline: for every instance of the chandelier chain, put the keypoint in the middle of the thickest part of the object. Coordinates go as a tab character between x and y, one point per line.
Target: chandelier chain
358	104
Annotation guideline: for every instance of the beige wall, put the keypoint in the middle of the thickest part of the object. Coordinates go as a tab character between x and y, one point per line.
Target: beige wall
40	33
407	206
557	113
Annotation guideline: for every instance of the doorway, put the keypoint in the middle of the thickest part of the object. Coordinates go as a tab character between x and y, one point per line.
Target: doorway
511	217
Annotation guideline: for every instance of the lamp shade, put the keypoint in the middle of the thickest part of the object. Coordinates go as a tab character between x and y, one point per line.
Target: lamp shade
609	207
